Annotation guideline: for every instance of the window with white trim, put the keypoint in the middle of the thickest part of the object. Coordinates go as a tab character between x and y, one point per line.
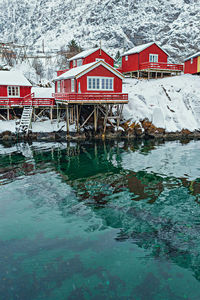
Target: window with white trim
100	83
79	62
72	85
100	59
126	58
191	61
58	86
13	91
153	58
74	63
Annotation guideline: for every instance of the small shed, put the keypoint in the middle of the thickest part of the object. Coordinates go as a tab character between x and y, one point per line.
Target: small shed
192	64
89	56
14	85
98	77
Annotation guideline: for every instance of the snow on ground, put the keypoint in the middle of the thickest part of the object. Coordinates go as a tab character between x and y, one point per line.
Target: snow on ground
42	126
176	109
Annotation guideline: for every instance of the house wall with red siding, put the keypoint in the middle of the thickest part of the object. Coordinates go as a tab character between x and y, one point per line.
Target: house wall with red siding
24	91
100	71
132	64
153	49
191	68
92	57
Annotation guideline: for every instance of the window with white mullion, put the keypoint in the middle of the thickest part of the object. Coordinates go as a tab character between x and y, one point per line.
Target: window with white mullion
100	83
153	58
13	91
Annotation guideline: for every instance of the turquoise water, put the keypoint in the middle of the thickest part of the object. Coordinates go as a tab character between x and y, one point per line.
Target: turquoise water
100	221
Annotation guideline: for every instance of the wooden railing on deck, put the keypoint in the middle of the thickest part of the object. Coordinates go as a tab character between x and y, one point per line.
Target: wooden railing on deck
161	66
89	97
10	102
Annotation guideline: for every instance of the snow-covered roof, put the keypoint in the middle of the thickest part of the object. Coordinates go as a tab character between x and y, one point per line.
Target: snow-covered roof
84	53
13	78
80	71
192	56
41	92
140	48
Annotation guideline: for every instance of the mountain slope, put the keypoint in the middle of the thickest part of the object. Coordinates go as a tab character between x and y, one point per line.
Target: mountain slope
118	23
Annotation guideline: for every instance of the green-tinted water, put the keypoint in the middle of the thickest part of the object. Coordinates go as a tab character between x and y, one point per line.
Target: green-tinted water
100	221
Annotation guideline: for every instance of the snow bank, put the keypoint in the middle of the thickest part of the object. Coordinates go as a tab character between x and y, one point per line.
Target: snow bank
171	103
42	126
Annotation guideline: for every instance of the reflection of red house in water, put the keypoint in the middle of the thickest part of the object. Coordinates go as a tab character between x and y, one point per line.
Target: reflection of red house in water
148	60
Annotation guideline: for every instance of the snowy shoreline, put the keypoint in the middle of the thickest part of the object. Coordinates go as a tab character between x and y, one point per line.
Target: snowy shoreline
167	108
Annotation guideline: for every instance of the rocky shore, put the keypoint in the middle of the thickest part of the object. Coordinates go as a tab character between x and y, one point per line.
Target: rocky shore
143	130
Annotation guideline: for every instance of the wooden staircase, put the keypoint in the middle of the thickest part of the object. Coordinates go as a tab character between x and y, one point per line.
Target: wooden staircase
25	122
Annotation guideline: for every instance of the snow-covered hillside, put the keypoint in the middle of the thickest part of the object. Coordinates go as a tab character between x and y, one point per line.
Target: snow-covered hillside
118	23
171	103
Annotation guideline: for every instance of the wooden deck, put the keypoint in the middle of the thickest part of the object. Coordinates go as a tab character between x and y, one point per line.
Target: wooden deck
164	67
21	102
91	98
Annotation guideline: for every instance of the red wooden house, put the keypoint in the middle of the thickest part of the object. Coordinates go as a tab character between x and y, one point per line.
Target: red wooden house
91	55
13	87
192	64
16	91
148	60
96	81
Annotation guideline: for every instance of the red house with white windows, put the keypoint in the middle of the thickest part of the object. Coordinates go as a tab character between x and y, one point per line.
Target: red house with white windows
91	55
14	85
148	60
192	64
16	91
96	81
86	57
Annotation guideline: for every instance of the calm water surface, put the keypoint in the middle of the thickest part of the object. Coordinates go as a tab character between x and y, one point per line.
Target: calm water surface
100	221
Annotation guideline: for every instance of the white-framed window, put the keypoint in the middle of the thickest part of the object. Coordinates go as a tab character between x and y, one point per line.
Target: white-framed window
72	85
58	86
153	58
74	63
99	59
79	62
100	83
126	58
13	91
191	61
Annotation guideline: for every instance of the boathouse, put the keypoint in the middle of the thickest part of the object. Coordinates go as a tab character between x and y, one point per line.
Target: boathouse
148	60
97	85
192	64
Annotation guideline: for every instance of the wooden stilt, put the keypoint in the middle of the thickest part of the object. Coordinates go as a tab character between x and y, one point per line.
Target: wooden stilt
95	118
138	74
8	114
106	118
34	116
67	118
51	114
77	118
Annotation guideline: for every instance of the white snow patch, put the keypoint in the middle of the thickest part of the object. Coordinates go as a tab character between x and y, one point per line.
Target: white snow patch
176	109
